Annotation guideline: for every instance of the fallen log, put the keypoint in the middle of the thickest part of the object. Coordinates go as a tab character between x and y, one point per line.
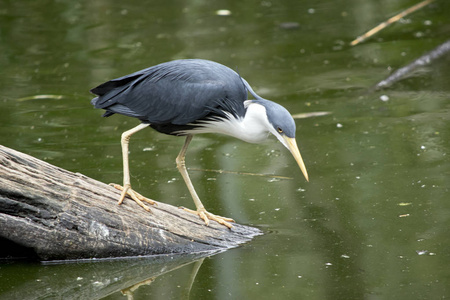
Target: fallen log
48	213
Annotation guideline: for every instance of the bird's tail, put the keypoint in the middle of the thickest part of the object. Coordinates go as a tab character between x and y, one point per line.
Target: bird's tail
94	102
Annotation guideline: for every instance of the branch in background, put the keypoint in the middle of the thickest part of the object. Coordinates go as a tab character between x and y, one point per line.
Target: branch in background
385	24
311	114
425	59
241	173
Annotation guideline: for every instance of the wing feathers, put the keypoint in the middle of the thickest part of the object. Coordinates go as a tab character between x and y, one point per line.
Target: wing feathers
177	92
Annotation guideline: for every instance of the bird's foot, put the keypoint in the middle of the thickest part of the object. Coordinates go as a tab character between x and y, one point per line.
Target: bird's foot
128	191
206	216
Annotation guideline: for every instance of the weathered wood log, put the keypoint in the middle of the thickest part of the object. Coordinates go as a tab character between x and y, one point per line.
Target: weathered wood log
54	214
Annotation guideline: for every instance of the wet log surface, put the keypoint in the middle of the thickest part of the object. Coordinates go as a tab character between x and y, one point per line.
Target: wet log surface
48	213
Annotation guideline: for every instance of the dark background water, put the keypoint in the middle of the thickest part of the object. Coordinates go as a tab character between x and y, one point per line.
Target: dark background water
373	221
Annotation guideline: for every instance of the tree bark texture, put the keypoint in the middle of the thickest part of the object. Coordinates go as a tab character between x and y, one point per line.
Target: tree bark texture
49	213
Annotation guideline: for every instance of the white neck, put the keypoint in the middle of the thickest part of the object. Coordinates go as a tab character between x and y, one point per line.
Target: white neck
252	128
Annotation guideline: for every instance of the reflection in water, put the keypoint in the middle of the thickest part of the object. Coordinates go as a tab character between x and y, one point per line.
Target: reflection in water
194	273
129	292
374	151
96	279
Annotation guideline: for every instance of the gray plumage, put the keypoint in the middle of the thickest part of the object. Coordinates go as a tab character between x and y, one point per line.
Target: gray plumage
187	97
174	93
176	96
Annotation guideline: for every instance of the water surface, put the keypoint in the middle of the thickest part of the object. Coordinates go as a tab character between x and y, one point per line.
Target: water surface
372	222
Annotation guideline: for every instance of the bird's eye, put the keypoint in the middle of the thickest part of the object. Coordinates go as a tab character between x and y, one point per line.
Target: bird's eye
279	130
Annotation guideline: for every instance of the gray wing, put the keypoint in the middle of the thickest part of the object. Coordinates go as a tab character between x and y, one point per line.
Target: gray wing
177	92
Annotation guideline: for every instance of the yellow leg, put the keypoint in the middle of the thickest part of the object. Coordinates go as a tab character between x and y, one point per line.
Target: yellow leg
126	189
201	211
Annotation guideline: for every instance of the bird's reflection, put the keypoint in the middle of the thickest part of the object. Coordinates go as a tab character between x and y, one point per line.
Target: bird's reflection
129	291
194	272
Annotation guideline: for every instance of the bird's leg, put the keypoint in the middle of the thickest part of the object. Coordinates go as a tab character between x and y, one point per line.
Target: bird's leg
201	211
126	189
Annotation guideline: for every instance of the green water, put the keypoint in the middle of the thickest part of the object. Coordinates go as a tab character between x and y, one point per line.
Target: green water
371	223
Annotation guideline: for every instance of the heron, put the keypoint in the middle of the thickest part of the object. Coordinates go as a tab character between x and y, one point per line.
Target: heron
187	97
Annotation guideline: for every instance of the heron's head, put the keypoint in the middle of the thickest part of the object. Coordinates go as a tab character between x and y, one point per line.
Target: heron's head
282	125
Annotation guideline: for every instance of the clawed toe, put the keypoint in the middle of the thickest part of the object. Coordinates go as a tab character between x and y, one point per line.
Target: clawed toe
128	191
139	199
206	216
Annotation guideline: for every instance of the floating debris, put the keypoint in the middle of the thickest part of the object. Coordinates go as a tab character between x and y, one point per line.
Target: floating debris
311	114
273	180
241	173
384	98
223	12
40	97
289	25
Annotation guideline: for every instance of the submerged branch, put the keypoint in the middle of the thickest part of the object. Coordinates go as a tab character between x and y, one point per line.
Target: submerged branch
311	114
40	97
240	173
425	59
391	20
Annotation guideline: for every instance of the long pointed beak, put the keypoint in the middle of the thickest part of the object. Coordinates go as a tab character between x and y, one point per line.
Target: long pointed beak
292	146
